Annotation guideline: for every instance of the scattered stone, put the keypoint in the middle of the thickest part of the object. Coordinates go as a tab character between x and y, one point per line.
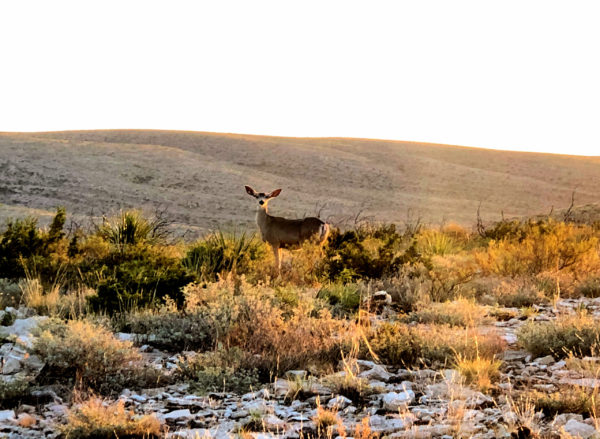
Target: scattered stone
7	416
339	403
376	372
547	360
579	429
393	401
178	415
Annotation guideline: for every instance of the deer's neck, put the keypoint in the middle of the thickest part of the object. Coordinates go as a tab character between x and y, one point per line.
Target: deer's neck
261	219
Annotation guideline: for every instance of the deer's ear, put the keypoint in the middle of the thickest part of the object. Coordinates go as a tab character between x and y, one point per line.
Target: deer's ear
274	193
250	191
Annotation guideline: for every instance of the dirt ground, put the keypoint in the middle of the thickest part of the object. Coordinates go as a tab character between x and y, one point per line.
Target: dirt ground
197	178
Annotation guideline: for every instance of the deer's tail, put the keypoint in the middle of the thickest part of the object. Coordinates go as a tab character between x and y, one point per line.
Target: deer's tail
323	232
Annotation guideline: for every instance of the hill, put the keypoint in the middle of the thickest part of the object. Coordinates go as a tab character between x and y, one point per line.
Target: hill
198	177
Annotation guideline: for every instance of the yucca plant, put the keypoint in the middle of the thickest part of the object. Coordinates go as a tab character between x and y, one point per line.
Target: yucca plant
131	227
222	252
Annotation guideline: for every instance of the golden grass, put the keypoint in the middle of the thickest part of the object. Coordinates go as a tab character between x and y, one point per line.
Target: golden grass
98	418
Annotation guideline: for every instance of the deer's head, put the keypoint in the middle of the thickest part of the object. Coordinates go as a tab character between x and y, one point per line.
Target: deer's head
261	197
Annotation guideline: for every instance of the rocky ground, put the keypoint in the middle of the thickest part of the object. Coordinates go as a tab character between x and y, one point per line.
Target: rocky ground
404	404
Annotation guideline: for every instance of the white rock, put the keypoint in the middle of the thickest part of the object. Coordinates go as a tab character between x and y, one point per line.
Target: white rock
377	372
7	416
393	402
339	402
178	415
383	425
547	360
579	429
22	329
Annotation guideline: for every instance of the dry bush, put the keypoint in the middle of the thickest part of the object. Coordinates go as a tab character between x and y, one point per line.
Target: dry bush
480	371
100	419
460	312
435	242
545	246
588	287
279	343
326	421
217	371
54	303
576	335
518	293
401	344
89	355
569	399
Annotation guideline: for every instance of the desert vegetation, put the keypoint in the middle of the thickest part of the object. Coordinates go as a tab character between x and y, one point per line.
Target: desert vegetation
386	320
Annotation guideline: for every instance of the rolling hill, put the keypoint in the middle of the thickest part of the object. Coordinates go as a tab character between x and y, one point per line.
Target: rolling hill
198	177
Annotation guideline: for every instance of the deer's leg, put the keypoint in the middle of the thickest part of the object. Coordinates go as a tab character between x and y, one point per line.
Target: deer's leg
280	257
276	254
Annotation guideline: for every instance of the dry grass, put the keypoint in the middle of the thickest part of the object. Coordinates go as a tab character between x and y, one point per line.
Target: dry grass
88	355
54	303
100	419
479	371
460	312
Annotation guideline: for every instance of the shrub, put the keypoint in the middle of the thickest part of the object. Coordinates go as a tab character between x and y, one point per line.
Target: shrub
576	334
89	356
368	252
279	342
435	242
221	252
137	276
131	227
570	399
401	344
174	331
21	240
10	293
482	372
100	419
343	298
460	312
12	392
218	371
518	293
542	246
589	287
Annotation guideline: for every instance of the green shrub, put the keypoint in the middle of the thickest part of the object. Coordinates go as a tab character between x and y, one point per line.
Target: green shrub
590	287
174	331
89	356
219	252
343	298
518	293
218	371
570	399
23	247
137	276
369	252
131	227
13	392
577	335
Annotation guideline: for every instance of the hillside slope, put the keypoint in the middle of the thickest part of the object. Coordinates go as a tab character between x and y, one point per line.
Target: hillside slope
198	177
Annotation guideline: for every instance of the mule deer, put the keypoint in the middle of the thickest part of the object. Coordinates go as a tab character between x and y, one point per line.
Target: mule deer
283	232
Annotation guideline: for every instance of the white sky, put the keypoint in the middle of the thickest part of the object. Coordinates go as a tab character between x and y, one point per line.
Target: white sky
521	75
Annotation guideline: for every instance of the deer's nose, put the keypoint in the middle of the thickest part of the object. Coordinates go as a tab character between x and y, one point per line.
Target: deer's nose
261	202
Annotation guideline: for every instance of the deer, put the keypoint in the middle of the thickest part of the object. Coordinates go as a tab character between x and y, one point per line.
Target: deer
281	232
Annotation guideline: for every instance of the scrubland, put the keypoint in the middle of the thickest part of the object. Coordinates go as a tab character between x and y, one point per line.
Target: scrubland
504	315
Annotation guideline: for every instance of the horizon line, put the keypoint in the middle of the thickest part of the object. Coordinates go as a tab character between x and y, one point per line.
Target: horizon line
371	139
